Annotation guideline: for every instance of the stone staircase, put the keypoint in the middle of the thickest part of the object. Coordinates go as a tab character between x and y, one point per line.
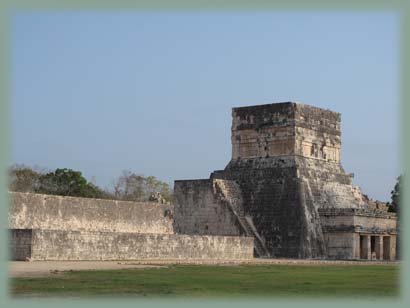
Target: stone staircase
230	194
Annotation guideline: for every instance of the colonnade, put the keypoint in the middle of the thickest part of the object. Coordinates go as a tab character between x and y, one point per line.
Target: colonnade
375	247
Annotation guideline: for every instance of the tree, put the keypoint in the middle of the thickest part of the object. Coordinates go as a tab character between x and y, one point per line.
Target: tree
67	182
395	204
135	187
129	186
23	178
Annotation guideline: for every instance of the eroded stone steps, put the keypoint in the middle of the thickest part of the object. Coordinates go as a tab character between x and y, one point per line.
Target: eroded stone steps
230	192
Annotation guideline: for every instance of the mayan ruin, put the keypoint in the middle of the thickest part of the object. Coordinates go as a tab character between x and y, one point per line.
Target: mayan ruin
284	194
285	187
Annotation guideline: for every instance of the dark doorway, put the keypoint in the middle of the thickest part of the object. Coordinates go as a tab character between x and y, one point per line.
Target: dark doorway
386	247
363	246
372	247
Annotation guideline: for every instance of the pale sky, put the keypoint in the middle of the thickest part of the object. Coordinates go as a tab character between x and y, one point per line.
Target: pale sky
153	92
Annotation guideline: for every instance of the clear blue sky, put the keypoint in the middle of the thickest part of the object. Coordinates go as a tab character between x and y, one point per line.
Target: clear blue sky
152	92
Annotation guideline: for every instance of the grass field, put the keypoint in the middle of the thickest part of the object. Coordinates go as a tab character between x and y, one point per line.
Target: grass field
217	281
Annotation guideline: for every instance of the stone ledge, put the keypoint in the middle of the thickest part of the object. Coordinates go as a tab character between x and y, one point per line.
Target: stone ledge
94	245
356	212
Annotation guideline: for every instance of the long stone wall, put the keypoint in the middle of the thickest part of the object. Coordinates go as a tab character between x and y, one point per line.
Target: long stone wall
92	245
36	211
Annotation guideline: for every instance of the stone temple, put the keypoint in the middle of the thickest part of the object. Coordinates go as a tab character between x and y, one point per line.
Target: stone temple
285	186
284	194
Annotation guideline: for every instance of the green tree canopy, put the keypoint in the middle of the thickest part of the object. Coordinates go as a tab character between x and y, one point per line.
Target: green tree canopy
67	182
394	206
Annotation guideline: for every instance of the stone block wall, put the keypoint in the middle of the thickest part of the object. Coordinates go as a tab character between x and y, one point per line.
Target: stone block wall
36	211
20	241
262	131
358	220
342	245
93	245
376	224
199	210
270	191
392	247
285	129
317	133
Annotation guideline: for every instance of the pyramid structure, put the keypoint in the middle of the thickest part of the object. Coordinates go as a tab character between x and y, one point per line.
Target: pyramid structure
286	187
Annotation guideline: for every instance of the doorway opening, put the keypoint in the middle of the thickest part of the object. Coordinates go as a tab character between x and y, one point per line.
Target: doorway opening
373	247
386	247
363	246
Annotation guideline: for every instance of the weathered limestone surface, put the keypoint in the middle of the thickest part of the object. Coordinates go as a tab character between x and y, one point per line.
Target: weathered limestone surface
94	245
283	194
342	245
20	244
45	227
214	207
282	155
279	204
286	162
358	220
36	211
201	211
285	129
346	225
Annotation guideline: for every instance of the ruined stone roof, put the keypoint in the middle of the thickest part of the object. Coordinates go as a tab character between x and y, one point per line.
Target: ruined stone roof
281	106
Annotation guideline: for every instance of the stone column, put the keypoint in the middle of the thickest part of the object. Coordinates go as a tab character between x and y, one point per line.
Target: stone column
379	247
368	247
363	246
393	243
356	246
364	249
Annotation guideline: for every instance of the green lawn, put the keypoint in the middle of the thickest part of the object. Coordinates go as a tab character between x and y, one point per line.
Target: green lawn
213	281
